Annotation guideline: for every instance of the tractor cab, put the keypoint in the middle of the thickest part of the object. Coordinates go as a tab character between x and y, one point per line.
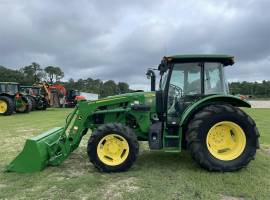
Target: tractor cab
73	96
73	93
188	78
9	88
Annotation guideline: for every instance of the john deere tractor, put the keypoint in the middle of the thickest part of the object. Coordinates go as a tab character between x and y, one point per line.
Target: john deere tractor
35	94
12	100
191	109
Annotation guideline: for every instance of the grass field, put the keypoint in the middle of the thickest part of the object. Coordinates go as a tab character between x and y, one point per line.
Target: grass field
155	175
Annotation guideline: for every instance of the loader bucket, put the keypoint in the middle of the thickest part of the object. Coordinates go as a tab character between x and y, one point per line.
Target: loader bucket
35	154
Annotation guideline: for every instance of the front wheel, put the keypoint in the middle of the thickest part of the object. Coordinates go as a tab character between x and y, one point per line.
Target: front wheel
113	148
222	138
6	105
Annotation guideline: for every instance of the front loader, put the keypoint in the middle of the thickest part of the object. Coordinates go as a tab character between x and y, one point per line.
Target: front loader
192	110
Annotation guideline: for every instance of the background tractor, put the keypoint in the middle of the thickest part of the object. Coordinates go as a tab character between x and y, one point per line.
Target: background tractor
191	110
54	94
36	95
12	100
73	97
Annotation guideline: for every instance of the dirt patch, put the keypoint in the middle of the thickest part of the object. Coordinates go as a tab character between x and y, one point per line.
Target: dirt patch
27	130
116	189
225	197
72	173
260	104
49	193
3	185
266	151
81	194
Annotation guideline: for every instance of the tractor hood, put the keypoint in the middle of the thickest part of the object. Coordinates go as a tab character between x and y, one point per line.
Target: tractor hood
140	98
132	95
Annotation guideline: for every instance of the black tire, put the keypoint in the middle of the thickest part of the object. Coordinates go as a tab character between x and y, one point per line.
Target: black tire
198	129
107	129
10	105
33	101
28	106
44	107
41	104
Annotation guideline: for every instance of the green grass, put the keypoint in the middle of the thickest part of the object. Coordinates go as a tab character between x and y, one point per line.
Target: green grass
155	175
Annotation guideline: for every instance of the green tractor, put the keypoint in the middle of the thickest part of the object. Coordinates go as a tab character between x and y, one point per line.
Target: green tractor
191	110
12	100
37	97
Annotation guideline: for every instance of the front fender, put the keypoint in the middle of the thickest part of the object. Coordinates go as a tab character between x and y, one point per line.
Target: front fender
228	99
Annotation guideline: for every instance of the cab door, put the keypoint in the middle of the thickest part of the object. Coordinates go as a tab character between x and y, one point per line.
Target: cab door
184	85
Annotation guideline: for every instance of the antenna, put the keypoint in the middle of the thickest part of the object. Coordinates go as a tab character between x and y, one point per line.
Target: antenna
166	46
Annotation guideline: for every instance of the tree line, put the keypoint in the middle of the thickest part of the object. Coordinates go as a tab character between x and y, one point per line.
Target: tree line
30	74
97	86
34	73
254	89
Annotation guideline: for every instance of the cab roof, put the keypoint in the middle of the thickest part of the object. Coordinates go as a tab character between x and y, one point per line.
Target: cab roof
28	86
11	83
224	59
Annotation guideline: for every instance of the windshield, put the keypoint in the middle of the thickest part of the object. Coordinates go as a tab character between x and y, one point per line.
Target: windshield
186	78
76	93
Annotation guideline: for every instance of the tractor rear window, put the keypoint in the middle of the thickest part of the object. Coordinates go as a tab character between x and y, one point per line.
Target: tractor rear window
214	82
11	88
2	88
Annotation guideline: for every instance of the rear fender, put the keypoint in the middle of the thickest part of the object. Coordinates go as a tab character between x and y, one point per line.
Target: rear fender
213	99
7	95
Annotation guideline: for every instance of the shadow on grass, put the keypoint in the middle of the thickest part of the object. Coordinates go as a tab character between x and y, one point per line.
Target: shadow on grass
146	160
157	160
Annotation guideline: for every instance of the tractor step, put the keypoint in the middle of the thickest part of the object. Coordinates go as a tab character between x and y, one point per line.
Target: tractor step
171	150
172	136
172	141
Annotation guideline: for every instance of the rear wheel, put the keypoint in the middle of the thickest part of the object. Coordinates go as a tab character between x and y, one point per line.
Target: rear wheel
222	138
113	148
6	105
41	104
44	107
25	106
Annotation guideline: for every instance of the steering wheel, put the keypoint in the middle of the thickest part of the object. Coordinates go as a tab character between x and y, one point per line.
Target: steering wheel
173	99
178	90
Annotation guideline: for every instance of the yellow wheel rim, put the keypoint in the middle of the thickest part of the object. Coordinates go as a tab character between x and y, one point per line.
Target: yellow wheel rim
226	140
3	106
113	149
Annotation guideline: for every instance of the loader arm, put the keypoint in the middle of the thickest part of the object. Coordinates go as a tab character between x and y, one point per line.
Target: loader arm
54	146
